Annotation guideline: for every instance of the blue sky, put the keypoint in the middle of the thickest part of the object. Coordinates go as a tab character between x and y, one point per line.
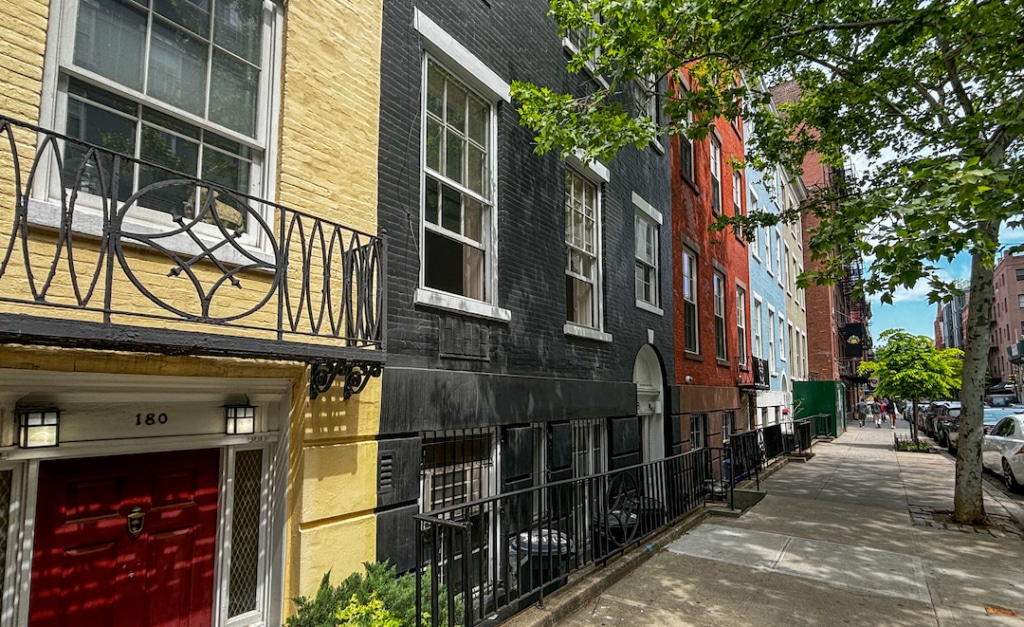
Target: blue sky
910	309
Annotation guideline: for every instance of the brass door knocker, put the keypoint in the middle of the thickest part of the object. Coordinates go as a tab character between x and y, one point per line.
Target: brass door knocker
136	519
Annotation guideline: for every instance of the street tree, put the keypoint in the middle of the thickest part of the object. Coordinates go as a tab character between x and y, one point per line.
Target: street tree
932	93
910	367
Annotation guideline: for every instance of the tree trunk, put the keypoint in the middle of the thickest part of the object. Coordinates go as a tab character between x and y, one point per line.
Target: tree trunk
913	421
968	500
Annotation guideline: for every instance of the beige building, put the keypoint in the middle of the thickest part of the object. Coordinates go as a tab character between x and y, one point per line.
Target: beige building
191	306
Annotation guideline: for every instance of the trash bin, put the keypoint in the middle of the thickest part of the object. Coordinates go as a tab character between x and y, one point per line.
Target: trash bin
539	558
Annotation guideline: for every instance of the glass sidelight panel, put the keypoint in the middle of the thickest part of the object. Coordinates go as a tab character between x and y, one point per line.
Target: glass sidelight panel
245	532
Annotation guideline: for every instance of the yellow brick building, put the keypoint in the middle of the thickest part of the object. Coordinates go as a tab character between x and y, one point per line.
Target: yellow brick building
191	316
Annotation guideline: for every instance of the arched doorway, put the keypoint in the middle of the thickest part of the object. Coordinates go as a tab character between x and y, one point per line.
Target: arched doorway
649	380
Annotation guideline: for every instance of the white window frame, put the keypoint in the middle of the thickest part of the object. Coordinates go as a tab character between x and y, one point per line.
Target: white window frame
646	214
792	343
768	250
44	207
691	299
778	255
721	336
758	339
686	144
475	75
737	193
741	325
782	338
596	174
715	167
772	366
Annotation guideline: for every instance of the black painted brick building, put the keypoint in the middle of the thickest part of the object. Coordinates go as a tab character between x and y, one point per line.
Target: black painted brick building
459	377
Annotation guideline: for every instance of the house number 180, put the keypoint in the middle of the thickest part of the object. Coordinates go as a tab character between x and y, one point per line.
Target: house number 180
150	419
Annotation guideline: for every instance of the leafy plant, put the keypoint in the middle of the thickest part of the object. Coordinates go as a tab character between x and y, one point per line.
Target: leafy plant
381	597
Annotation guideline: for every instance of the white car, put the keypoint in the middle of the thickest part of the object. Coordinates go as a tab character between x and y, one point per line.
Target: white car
1003	451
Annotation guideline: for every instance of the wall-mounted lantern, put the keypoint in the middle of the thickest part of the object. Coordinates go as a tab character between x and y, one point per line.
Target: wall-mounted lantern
239	419
38	428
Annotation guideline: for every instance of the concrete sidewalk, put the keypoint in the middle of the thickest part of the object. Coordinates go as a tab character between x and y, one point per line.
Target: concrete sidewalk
857	535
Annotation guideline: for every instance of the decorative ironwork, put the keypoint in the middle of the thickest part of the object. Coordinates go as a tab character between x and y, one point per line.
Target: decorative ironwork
355	375
108	251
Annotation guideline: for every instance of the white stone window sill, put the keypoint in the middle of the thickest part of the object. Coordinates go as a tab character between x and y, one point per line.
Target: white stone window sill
646	306
571	48
459	304
88	221
658	146
586	332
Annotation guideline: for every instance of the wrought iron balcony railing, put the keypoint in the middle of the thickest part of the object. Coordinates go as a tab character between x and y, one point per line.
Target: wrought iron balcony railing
103	250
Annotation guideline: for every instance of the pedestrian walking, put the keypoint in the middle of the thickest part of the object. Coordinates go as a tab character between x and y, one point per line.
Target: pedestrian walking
862	411
892	414
876	409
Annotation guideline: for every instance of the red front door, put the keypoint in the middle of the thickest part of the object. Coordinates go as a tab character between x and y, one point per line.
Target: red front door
94	565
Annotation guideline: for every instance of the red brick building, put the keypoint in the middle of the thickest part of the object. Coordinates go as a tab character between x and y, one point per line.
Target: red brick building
710	277
838	335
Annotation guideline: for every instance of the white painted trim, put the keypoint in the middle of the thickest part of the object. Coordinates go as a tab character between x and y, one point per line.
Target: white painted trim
586	332
451	302
442	45
642	304
596	171
647	209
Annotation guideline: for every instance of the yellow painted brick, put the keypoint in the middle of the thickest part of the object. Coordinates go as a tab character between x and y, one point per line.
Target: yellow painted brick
337	481
340	548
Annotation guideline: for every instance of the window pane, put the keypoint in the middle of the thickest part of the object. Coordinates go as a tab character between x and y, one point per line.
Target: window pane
102	127
245	532
479	116
435	91
109	40
431	201
451	209
473	280
453	158
456	106
473	220
477	171
235	88
433	145
174	153
177	68
238	27
191	14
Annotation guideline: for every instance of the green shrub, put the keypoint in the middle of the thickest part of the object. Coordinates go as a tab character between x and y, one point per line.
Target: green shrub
380	597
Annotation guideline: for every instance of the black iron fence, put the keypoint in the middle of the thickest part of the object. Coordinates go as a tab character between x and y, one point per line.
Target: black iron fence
104	249
485	559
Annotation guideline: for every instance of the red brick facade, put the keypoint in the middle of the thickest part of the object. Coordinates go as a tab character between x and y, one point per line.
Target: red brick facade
709	383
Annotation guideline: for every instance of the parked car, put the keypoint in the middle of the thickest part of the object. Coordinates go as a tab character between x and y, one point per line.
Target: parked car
940	411
1003	451
992	416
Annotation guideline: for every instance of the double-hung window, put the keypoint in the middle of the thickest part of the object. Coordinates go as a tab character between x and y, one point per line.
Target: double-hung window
646	224
686	149
741	326
582	270
716	174
737	193
752	208
457	197
721	350
782	338
771	341
691	339
778	256
184	85
758	348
